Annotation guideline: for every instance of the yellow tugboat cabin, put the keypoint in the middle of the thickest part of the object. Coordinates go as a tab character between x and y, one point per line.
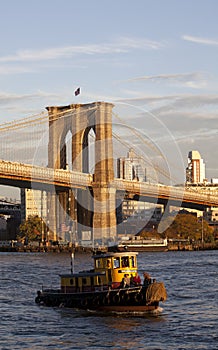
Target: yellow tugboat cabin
109	270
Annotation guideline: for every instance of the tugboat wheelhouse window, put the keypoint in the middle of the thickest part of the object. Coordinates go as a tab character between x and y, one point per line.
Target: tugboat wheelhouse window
98	263
108	264
116	263
133	261
125	261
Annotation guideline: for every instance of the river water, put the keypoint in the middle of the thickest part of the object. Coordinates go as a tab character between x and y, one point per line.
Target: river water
189	319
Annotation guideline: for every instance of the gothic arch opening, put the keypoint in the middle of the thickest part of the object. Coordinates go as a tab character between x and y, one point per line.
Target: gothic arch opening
88	157
66	151
68	142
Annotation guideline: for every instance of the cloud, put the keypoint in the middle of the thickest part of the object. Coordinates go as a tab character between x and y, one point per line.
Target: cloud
122	45
196	101
196	136
22	67
10	98
181	115
188	117
182	77
5	70
181	101
199	40
193	80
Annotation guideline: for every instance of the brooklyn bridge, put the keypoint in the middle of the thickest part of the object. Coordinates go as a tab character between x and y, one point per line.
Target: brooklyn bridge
52	152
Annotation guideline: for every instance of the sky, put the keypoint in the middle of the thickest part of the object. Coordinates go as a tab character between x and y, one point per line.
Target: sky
156	61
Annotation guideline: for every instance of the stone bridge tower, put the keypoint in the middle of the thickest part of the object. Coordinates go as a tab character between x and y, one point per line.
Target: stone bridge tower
92	210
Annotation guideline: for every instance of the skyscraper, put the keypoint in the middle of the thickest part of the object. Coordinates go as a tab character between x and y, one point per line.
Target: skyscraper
131	167
195	171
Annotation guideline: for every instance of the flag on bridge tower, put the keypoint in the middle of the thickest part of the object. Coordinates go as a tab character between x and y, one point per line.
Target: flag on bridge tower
77	92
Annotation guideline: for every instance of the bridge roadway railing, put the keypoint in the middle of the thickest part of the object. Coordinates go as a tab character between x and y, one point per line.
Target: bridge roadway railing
68	179
184	194
37	174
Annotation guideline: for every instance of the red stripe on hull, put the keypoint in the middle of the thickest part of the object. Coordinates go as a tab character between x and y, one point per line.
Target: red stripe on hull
127	308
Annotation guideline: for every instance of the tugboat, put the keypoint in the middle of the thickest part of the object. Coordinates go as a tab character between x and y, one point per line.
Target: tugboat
112	286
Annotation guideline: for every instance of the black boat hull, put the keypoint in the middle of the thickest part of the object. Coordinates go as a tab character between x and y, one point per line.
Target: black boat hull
117	300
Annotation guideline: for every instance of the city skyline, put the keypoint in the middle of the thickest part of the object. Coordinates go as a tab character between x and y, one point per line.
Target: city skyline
156	62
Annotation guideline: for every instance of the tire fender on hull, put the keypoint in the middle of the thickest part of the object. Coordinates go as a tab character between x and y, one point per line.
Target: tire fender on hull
116	298
138	297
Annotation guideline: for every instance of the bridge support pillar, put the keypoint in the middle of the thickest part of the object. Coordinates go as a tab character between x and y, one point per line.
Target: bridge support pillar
99	218
51	216
104	218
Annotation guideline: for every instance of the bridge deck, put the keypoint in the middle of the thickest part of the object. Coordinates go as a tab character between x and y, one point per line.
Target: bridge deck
26	175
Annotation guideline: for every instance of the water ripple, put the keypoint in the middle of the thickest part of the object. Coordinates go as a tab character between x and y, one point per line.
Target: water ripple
188	320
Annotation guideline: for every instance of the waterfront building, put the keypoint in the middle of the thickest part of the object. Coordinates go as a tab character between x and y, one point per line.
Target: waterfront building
214	181
33	203
147	219
211	215
195	171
